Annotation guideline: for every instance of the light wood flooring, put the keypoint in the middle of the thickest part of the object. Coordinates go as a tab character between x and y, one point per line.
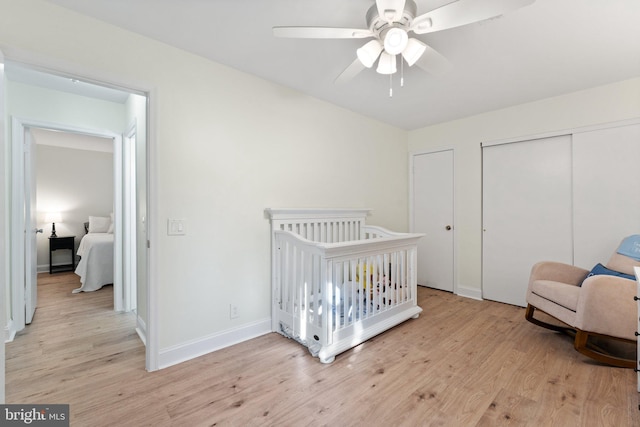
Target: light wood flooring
462	363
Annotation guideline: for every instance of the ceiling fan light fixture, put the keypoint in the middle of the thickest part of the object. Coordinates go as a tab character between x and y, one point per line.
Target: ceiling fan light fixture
368	53
387	64
414	50
395	41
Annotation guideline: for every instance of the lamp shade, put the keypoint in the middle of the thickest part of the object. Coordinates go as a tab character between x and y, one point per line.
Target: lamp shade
368	53
52	217
414	50
386	64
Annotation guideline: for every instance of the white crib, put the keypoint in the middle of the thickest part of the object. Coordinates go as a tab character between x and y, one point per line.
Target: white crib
337	282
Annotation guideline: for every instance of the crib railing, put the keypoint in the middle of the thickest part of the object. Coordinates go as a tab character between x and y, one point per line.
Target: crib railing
326	231
373	232
324	291
321	225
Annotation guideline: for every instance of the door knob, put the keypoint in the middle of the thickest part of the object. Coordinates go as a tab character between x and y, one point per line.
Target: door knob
448	227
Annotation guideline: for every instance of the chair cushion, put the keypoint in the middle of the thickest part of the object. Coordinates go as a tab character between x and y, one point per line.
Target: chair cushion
622	263
601	269
557	292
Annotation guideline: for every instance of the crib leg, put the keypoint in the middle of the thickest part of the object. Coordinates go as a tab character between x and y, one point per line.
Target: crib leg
415	316
327	360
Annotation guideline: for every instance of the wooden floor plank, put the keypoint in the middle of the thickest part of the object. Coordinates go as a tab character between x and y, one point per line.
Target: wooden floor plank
461	363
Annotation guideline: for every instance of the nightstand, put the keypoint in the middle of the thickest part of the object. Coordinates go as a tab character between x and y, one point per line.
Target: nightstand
62	243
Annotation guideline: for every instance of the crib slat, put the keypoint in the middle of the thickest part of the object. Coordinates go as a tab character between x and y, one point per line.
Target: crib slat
375	282
286	302
327	301
295	296
403	276
397	284
306	294
370	296
316	298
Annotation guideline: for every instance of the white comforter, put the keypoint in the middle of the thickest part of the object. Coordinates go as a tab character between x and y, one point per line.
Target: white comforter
96	264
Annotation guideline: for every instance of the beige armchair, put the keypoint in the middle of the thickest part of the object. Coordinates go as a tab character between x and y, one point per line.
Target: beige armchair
599	306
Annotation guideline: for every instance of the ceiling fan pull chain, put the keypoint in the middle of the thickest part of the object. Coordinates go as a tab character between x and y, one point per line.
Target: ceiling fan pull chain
401	72
390	85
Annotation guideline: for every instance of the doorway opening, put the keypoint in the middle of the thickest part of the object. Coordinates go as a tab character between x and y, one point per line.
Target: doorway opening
129	206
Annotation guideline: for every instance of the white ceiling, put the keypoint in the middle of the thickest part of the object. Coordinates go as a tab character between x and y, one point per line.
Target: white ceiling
546	49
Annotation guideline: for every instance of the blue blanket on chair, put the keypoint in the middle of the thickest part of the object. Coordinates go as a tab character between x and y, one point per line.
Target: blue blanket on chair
630	247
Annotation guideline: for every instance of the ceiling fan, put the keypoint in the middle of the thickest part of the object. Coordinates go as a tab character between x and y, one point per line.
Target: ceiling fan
389	23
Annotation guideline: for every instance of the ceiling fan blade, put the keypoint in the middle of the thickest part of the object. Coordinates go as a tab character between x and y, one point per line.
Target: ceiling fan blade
463	12
321	33
433	62
390	10
350	72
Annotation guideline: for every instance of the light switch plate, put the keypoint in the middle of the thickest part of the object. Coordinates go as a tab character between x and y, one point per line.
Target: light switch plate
176	227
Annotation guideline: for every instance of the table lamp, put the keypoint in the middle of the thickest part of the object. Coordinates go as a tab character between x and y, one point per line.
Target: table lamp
53	217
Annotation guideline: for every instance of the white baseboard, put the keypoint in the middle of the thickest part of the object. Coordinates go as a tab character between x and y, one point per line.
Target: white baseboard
9	332
141	329
44	268
473	293
192	349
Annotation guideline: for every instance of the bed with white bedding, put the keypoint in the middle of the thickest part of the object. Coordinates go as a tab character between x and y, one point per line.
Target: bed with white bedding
96	259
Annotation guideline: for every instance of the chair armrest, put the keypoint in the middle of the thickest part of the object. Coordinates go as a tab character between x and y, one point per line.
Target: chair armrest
606	306
558	272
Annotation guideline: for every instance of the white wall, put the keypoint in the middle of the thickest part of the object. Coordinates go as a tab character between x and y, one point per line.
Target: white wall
609	103
225	145
76	183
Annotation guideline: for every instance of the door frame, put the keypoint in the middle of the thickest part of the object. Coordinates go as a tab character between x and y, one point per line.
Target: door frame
129	212
64	68
19	130
3	230
412	157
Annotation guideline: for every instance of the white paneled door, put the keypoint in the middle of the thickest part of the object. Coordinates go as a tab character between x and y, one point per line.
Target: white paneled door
527	213
432	214
31	228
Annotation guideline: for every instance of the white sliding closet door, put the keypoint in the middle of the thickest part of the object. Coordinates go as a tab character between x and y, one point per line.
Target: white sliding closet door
606	188
527	213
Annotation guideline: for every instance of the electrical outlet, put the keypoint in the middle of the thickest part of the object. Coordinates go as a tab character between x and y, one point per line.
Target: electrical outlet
233	311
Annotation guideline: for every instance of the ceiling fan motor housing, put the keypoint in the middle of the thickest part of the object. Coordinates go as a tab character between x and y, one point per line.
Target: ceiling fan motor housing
380	26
